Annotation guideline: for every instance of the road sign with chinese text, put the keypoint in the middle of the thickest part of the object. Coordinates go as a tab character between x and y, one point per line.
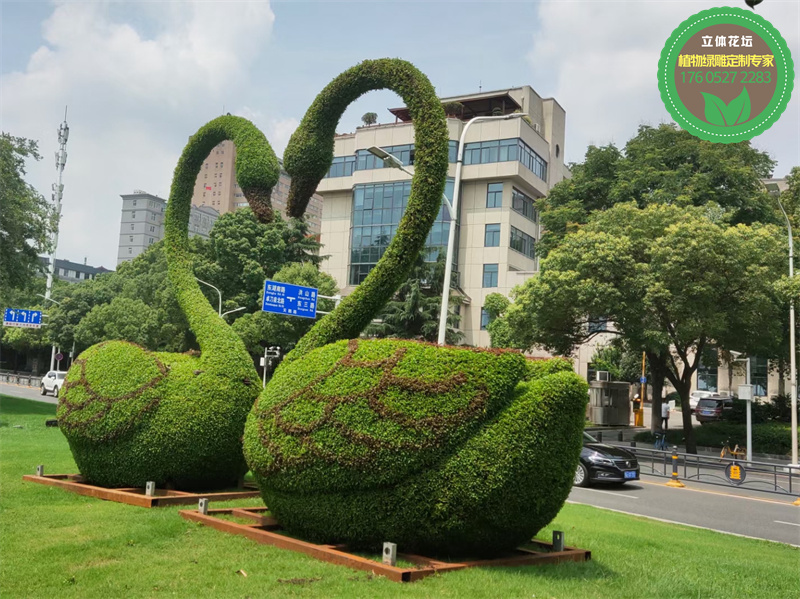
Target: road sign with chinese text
28	319
288	299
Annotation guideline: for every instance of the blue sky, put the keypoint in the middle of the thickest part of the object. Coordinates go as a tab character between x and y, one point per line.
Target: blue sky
140	77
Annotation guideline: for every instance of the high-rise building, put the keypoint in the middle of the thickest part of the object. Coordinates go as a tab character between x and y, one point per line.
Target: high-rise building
216	187
508	165
143	223
73	272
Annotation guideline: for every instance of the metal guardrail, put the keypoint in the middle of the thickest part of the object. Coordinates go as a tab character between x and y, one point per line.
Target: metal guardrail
755	476
30	380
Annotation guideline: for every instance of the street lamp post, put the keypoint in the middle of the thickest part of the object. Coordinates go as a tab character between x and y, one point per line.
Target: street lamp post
793	350
451	238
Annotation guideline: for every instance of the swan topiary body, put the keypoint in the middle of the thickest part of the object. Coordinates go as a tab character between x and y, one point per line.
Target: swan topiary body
439	449
132	416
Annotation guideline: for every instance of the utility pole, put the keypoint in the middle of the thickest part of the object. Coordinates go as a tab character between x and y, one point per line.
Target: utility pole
58	192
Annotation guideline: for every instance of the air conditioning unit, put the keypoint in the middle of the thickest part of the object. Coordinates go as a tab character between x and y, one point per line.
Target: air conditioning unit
537	128
602	375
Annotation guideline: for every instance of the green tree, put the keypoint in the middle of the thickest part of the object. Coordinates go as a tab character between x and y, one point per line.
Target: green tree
661	165
260	329
369	118
26	218
670	279
122	318
413	313
496	305
242	253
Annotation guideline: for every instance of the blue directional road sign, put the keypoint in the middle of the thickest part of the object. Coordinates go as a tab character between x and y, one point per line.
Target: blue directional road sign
642	379
292	300
28	319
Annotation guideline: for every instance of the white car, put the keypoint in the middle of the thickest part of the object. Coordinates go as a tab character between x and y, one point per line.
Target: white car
52	382
696	396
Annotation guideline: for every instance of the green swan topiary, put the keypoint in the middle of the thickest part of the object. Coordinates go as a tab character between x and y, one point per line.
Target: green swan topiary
133	416
444	450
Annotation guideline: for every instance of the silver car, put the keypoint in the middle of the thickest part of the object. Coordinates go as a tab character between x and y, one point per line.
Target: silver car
52	382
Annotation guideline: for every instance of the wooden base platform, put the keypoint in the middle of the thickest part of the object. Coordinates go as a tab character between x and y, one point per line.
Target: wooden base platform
264	530
137	496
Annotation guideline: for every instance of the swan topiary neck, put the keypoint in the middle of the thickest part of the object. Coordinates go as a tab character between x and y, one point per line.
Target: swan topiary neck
257	172
310	153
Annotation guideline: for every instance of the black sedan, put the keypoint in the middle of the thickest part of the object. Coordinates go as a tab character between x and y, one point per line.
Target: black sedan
601	463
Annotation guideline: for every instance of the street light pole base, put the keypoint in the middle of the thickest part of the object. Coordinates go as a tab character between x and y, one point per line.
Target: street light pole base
675	483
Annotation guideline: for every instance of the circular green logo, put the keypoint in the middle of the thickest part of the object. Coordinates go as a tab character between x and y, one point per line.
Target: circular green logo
725	75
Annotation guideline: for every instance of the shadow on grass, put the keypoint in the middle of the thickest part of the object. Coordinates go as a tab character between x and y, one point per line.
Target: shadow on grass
15	406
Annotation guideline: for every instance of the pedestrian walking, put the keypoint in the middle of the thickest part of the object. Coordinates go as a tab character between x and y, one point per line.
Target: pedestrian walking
664	415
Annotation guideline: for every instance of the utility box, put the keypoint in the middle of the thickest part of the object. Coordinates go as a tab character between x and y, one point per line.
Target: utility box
609	403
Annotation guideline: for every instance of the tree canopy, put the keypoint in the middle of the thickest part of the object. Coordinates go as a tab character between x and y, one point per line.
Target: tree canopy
671	279
26	218
662	165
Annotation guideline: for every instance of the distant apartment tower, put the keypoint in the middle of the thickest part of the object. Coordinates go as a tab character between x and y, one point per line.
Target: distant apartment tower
508	165
143	223
216	187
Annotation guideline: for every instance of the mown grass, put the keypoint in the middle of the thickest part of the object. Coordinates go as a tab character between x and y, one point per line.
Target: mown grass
56	544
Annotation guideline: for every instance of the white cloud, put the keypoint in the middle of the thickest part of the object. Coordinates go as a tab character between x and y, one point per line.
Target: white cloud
604	58
135	94
278	131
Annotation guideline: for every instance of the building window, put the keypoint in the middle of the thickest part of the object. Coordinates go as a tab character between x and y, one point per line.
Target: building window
598	325
484	319
130	250
133	214
131	226
505	150
524	205
494	195
61	272
491	238
134	202
759	374
342	166
523	243
377	210
149	241
708	370
131	238
452	150
490	275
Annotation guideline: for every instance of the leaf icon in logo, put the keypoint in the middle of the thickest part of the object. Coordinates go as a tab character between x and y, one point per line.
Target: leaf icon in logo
722	115
715	109
738	111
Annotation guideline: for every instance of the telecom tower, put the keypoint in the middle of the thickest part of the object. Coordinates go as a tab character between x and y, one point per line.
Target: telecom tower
58	192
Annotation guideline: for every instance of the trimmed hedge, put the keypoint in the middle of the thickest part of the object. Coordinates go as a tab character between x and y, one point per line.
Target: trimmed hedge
132	416
309	155
768	437
440	450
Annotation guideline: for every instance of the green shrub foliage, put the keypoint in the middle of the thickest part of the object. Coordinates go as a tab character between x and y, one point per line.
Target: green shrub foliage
442	450
132	416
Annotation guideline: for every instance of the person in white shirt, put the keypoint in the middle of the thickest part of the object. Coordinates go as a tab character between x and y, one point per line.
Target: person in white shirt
664	415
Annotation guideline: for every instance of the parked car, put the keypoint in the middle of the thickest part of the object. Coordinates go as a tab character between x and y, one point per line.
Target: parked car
601	463
712	409
52	382
696	396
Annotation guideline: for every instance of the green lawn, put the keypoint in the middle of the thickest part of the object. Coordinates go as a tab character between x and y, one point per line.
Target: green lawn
56	544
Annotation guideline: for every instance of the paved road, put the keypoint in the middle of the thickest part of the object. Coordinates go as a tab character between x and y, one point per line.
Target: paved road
734	511
25	392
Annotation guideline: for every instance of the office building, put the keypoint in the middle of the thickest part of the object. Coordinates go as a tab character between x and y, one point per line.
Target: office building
143	223
216	187
72	272
508	165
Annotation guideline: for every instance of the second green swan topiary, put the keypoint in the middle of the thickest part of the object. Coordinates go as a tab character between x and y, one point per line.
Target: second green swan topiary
438	449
